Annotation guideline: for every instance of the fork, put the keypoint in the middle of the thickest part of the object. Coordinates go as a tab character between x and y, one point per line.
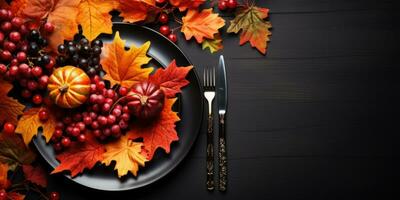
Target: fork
209	93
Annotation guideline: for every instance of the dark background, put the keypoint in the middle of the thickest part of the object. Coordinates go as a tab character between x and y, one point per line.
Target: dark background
310	120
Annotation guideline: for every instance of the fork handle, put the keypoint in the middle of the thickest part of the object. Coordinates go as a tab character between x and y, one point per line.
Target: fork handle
210	154
222	155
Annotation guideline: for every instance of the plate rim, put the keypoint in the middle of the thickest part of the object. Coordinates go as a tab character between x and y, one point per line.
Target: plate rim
179	159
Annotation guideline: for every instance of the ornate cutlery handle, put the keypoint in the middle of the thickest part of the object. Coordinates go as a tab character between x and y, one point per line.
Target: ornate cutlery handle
222	155
210	154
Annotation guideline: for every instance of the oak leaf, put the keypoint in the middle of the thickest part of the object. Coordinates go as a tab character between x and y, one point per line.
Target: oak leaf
186	4
94	17
61	13
125	67
251	20
14	152
126	154
80	156
171	79
36	175
137	10
201	25
29	124
4	182
213	45
159	133
10	108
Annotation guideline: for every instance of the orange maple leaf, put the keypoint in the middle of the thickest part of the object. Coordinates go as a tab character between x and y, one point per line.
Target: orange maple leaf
126	154
94	17
10	108
158	133
61	13
251	20
204	24
171	79
4	182
14	152
29	124
80	156
137	10
186	4
36	175
125	67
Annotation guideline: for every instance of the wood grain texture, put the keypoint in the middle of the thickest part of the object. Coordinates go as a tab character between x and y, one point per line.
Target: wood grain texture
311	120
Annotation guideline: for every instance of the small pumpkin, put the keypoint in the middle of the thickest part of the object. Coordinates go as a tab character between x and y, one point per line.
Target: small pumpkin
69	86
145	100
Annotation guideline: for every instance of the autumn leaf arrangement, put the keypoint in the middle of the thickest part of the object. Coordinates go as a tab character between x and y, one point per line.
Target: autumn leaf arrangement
99	104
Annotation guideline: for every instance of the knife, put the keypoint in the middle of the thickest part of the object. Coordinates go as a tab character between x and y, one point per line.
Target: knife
222	94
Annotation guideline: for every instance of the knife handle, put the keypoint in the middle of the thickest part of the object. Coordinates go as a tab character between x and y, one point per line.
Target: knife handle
210	154
222	155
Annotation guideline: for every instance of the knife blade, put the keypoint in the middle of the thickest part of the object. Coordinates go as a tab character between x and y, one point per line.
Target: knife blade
221	86
222	98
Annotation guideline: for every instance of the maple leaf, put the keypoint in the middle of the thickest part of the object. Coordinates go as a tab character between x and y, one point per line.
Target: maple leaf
126	154
186	4
213	45
171	79
36	175
137	10
29	123
201	25
10	108
61	13
80	156
4	182
159	133
254	28
94	17
125	67
14	152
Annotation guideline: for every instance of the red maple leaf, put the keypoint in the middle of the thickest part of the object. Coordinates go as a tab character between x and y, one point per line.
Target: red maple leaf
158	133
171	79
35	175
80	156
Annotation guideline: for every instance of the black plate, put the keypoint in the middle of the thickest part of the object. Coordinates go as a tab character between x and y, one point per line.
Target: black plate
190	107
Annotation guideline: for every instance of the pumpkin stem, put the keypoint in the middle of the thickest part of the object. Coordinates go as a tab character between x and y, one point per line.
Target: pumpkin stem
63	88
143	100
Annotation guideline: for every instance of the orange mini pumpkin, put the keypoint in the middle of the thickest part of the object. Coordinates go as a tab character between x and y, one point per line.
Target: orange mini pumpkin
69	86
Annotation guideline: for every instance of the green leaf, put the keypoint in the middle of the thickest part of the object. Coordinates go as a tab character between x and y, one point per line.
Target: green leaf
213	45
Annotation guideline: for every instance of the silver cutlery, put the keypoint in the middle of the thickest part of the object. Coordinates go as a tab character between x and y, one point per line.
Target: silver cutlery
222	97
209	93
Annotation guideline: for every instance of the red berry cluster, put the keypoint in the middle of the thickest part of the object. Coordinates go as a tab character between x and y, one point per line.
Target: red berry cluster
108	115
165	29
21	57
105	115
227	4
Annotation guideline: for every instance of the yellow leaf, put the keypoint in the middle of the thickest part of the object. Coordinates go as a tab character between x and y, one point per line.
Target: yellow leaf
10	108
213	45
29	124
201	25
126	154
125	67
94	17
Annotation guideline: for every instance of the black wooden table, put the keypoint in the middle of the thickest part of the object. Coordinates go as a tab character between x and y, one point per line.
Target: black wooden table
311	120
